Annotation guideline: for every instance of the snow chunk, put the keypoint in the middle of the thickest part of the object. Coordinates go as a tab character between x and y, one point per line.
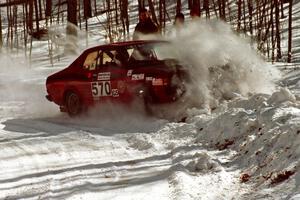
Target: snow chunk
203	163
281	96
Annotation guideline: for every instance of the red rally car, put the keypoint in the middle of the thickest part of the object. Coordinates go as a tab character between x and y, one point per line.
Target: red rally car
118	72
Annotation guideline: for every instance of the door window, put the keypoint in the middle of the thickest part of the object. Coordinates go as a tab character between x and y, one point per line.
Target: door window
92	61
108	57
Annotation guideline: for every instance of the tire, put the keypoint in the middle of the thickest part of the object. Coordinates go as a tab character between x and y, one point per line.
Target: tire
147	107
146	99
73	104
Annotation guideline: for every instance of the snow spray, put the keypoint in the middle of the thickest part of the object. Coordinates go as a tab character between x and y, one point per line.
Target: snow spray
221	63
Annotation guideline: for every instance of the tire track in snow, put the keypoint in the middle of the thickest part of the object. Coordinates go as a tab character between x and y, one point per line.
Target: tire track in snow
131	172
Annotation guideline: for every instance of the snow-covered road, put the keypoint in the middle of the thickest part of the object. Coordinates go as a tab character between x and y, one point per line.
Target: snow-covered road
64	158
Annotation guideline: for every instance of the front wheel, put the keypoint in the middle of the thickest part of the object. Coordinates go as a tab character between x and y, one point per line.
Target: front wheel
73	104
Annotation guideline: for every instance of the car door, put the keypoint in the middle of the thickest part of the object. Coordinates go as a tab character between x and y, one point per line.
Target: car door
88	71
100	78
113	58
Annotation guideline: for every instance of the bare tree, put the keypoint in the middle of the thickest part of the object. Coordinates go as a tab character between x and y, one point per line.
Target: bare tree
178	6
72	11
222	7
196	8
109	21
48	8
152	9
290	32
162	14
277	25
141	4
40	9
1	39
124	15
116	13
239	4
206	8
87	7
272	32
30	16
190	4
36	10
72	16
250	10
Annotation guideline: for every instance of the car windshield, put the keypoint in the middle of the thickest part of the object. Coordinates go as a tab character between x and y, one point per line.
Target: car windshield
164	51
151	51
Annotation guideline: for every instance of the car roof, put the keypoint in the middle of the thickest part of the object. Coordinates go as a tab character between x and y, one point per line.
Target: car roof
126	43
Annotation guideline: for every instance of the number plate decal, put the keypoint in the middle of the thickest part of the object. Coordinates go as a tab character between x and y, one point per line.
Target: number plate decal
101	89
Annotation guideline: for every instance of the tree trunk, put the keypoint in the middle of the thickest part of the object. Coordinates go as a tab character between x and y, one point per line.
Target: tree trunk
116	13
40	9
290	32
109	21
161	13
30	17
1	40
72	16
244	16
95	7
48	8
124	15
87	9
260	25
72	11
250	9
272	33
15	17
223	9
141	4
206	8
151	6
215	8
25	26
196	8
277	24
190	4
37	24
178	6
281	6
239	15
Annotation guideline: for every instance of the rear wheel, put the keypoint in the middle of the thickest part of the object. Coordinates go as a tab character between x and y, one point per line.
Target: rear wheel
73	104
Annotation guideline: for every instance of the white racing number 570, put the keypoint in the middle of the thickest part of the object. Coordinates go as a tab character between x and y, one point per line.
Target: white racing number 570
101	88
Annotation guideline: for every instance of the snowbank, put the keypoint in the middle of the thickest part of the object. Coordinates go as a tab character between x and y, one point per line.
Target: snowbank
264	133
